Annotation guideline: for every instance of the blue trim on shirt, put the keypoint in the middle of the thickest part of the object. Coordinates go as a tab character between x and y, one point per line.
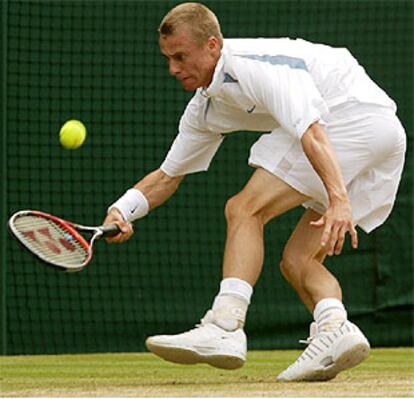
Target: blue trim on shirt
207	107
292	62
229	79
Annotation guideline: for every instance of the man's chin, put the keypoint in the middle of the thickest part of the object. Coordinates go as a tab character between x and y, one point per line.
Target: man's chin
188	86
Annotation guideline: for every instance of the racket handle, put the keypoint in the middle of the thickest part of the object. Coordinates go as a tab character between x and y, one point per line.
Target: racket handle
110	230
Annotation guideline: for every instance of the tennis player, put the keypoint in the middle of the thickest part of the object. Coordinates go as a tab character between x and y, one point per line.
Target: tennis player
331	142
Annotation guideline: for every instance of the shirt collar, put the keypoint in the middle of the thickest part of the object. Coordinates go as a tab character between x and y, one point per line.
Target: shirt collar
217	82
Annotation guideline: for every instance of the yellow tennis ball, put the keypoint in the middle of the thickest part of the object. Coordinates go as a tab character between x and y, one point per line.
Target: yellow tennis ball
72	134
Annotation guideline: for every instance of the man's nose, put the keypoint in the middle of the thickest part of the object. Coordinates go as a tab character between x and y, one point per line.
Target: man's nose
173	69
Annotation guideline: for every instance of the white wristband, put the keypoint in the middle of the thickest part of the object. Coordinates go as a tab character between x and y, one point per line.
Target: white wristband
132	205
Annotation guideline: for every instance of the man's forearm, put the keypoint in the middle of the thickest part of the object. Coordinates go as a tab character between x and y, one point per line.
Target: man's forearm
158	187
337	220
323	159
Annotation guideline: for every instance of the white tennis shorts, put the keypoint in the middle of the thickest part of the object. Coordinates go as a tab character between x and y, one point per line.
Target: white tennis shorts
370	144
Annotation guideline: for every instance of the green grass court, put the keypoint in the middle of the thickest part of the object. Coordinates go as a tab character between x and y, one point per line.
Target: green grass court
99	62
386	373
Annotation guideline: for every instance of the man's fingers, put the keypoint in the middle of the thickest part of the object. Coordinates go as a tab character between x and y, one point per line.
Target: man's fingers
354	237
318	223
335	228
119	238
340	240
126	232
113	239
125	227
333	238
326	235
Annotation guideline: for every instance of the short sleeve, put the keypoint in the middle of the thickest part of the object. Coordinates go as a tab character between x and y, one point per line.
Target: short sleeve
195	146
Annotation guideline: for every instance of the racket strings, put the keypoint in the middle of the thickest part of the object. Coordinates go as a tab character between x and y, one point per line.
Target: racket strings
50	240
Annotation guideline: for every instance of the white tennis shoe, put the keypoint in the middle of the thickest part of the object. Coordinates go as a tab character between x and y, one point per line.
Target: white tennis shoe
207	343
328	353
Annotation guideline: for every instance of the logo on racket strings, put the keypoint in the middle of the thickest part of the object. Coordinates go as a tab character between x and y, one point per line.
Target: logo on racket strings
53	244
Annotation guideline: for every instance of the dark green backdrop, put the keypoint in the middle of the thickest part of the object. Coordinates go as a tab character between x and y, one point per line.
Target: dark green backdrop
98	61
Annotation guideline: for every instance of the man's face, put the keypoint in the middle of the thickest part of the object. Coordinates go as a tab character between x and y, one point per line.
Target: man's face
192	64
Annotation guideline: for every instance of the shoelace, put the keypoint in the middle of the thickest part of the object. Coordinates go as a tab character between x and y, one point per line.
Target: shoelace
313	332
307	341
313	350
208	318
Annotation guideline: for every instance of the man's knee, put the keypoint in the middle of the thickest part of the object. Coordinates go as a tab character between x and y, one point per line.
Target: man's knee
239	208
287	269
293	265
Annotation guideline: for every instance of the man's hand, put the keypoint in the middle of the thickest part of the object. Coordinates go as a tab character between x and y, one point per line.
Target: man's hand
114	216
337	221
157	187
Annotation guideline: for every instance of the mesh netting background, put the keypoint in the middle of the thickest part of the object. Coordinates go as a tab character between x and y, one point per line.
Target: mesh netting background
98	61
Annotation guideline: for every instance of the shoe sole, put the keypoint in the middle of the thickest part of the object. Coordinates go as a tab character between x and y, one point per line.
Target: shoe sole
189	356
349	358
350	354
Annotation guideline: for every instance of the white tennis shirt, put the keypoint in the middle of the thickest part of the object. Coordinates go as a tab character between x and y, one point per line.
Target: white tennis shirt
264	84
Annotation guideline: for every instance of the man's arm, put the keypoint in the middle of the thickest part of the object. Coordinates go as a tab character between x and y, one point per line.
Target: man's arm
156	187
338	218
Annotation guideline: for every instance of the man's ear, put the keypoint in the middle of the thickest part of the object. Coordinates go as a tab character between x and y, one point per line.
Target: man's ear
212	42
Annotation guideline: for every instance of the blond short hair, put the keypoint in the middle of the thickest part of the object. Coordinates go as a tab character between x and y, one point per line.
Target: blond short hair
200	20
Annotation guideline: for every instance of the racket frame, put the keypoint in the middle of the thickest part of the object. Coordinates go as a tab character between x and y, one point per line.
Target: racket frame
73	229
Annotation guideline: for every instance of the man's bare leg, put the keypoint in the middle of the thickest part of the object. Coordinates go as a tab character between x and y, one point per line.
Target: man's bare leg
335	343
220	340
264	197
302	264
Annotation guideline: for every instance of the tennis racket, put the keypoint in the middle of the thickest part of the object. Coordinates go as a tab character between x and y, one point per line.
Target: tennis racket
55	241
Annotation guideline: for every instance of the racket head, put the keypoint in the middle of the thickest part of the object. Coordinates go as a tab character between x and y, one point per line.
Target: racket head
52	239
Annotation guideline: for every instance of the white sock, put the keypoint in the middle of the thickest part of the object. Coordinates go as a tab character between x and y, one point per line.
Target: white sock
231	303
329	314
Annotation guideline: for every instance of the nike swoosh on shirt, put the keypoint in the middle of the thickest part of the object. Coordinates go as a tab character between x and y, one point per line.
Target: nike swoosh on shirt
249	111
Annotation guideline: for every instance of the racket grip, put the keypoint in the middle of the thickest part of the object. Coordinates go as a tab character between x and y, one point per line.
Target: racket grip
110	230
